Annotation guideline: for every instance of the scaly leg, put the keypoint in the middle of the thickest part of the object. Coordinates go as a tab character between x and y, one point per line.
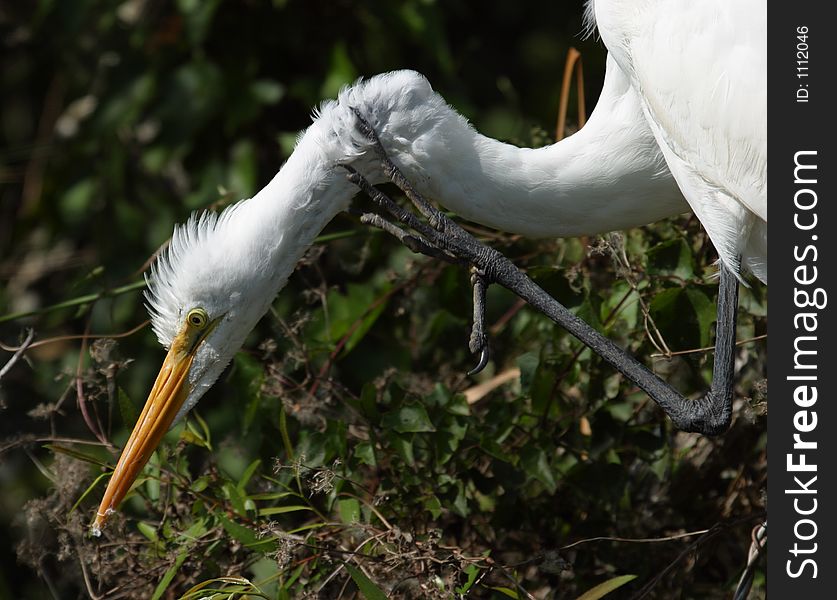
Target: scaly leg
709	415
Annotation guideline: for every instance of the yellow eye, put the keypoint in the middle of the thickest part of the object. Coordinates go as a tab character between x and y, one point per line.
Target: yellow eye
197	318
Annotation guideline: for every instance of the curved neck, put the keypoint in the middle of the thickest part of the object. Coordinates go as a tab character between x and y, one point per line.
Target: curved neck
297	204
610	175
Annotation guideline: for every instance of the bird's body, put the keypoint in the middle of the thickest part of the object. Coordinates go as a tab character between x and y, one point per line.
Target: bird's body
655	132
700	71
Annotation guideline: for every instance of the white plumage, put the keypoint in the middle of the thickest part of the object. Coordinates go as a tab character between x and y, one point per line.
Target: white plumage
700	70
682	113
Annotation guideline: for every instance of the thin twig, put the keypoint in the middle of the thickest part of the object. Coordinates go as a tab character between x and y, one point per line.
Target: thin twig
87	299
708	348
514	581
64	338
758	538
25	440
669	538
27	343
355	551
715	530
87	583
82	400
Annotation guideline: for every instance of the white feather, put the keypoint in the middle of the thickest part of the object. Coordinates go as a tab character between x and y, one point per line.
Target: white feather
670	104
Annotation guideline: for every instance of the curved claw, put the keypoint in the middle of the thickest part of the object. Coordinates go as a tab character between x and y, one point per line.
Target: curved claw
485	355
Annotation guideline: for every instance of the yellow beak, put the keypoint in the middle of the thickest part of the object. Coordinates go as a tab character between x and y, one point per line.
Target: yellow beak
164	401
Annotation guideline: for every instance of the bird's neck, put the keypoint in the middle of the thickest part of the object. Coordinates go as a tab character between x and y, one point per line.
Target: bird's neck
297	204
610	175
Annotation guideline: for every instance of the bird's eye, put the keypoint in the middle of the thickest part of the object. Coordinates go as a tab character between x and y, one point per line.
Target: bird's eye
197	318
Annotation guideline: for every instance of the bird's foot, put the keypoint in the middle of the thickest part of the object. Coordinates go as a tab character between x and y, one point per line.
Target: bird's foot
436	219
428	241
478	344
436	236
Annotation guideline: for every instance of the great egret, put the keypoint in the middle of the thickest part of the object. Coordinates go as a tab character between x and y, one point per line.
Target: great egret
682	114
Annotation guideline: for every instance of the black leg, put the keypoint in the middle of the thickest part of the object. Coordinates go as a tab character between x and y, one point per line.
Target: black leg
709	415
714	411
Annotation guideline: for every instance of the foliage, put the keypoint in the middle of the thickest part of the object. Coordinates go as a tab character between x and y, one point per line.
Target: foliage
345	451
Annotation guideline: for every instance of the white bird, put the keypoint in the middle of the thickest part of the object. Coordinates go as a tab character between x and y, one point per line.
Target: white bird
682	114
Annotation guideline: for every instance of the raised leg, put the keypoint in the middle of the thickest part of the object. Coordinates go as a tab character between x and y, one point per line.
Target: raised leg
709	415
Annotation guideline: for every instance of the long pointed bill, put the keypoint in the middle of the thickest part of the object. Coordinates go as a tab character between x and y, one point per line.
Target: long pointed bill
164	401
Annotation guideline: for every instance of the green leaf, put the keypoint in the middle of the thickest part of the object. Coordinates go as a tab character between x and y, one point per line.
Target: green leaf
685	317
349	315
248	473
365	453
472	571
528	364
89	489
705	312
460	502
673	257
236	498
206	434
433	506
369	590
169	574
625	301
458	405
404	447
408	419
279	510
535	463
75	454
243	534
76	201
603	589
542	387
191	435
231	587
148	531
200	484
242	170
152	484
195	531
349	509
341	71
506	592
493	448
368	403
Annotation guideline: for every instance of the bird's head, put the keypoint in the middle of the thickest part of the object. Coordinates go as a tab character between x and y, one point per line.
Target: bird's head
220	273
206	291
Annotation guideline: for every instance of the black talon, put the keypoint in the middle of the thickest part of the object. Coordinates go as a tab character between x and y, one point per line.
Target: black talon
479	341
485	356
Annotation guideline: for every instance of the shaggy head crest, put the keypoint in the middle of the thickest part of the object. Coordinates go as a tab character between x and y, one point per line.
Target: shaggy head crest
182	275
588	27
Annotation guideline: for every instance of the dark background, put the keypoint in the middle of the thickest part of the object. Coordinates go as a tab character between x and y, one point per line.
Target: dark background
120	118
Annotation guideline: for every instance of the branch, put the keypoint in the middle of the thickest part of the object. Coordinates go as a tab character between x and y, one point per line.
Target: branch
30	335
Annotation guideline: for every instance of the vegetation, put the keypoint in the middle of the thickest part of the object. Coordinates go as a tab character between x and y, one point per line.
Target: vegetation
345	453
